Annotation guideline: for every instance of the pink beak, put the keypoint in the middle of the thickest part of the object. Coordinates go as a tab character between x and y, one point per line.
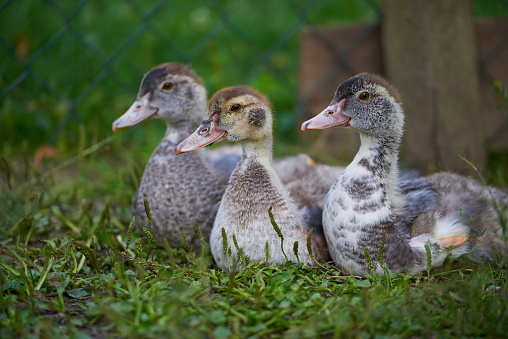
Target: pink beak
331	116
206	134
139	111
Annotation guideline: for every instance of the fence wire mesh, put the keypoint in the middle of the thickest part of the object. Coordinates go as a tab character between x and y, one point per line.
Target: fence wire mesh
66	63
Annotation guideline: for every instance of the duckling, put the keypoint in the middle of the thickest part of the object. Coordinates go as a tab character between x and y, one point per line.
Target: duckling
181	190
449	213
243	115
179	197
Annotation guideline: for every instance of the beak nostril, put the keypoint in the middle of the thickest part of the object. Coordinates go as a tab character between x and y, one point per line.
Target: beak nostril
203	131
138	107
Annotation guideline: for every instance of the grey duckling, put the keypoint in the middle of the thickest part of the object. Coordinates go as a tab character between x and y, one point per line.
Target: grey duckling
181	190
243	115
449	213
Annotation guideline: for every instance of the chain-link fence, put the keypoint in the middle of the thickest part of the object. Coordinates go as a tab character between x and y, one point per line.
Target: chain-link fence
67	63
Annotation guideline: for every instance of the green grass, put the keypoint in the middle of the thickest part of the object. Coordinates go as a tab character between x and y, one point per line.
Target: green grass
50	219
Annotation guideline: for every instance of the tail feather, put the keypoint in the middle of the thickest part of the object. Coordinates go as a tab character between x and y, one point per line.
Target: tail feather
449	237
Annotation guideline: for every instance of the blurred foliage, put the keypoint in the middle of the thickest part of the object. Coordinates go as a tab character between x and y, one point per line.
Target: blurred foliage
226	42
84	60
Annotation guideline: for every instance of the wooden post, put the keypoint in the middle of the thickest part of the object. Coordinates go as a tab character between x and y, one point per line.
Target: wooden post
430	55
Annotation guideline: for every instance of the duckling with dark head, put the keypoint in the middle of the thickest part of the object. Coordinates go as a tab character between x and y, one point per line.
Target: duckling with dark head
449	213
174	186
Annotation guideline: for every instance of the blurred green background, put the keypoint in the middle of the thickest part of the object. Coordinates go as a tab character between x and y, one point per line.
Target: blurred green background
79	65
71	68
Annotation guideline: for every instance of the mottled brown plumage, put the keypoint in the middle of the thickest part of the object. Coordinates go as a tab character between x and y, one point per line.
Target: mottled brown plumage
243	115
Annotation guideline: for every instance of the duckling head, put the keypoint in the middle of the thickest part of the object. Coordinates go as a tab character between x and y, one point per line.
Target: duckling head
172	92
238	114
366	103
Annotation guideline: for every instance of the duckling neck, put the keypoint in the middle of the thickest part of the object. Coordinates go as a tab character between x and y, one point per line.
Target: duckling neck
377	159
366	195
261	150
164	153
176	132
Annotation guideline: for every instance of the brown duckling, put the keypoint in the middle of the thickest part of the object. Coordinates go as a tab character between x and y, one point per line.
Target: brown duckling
243	115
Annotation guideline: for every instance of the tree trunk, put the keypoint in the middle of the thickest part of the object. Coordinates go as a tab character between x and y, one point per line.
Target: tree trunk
430	55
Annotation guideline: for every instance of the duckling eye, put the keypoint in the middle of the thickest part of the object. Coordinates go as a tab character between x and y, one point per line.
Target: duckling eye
364	96
235	108
168	86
